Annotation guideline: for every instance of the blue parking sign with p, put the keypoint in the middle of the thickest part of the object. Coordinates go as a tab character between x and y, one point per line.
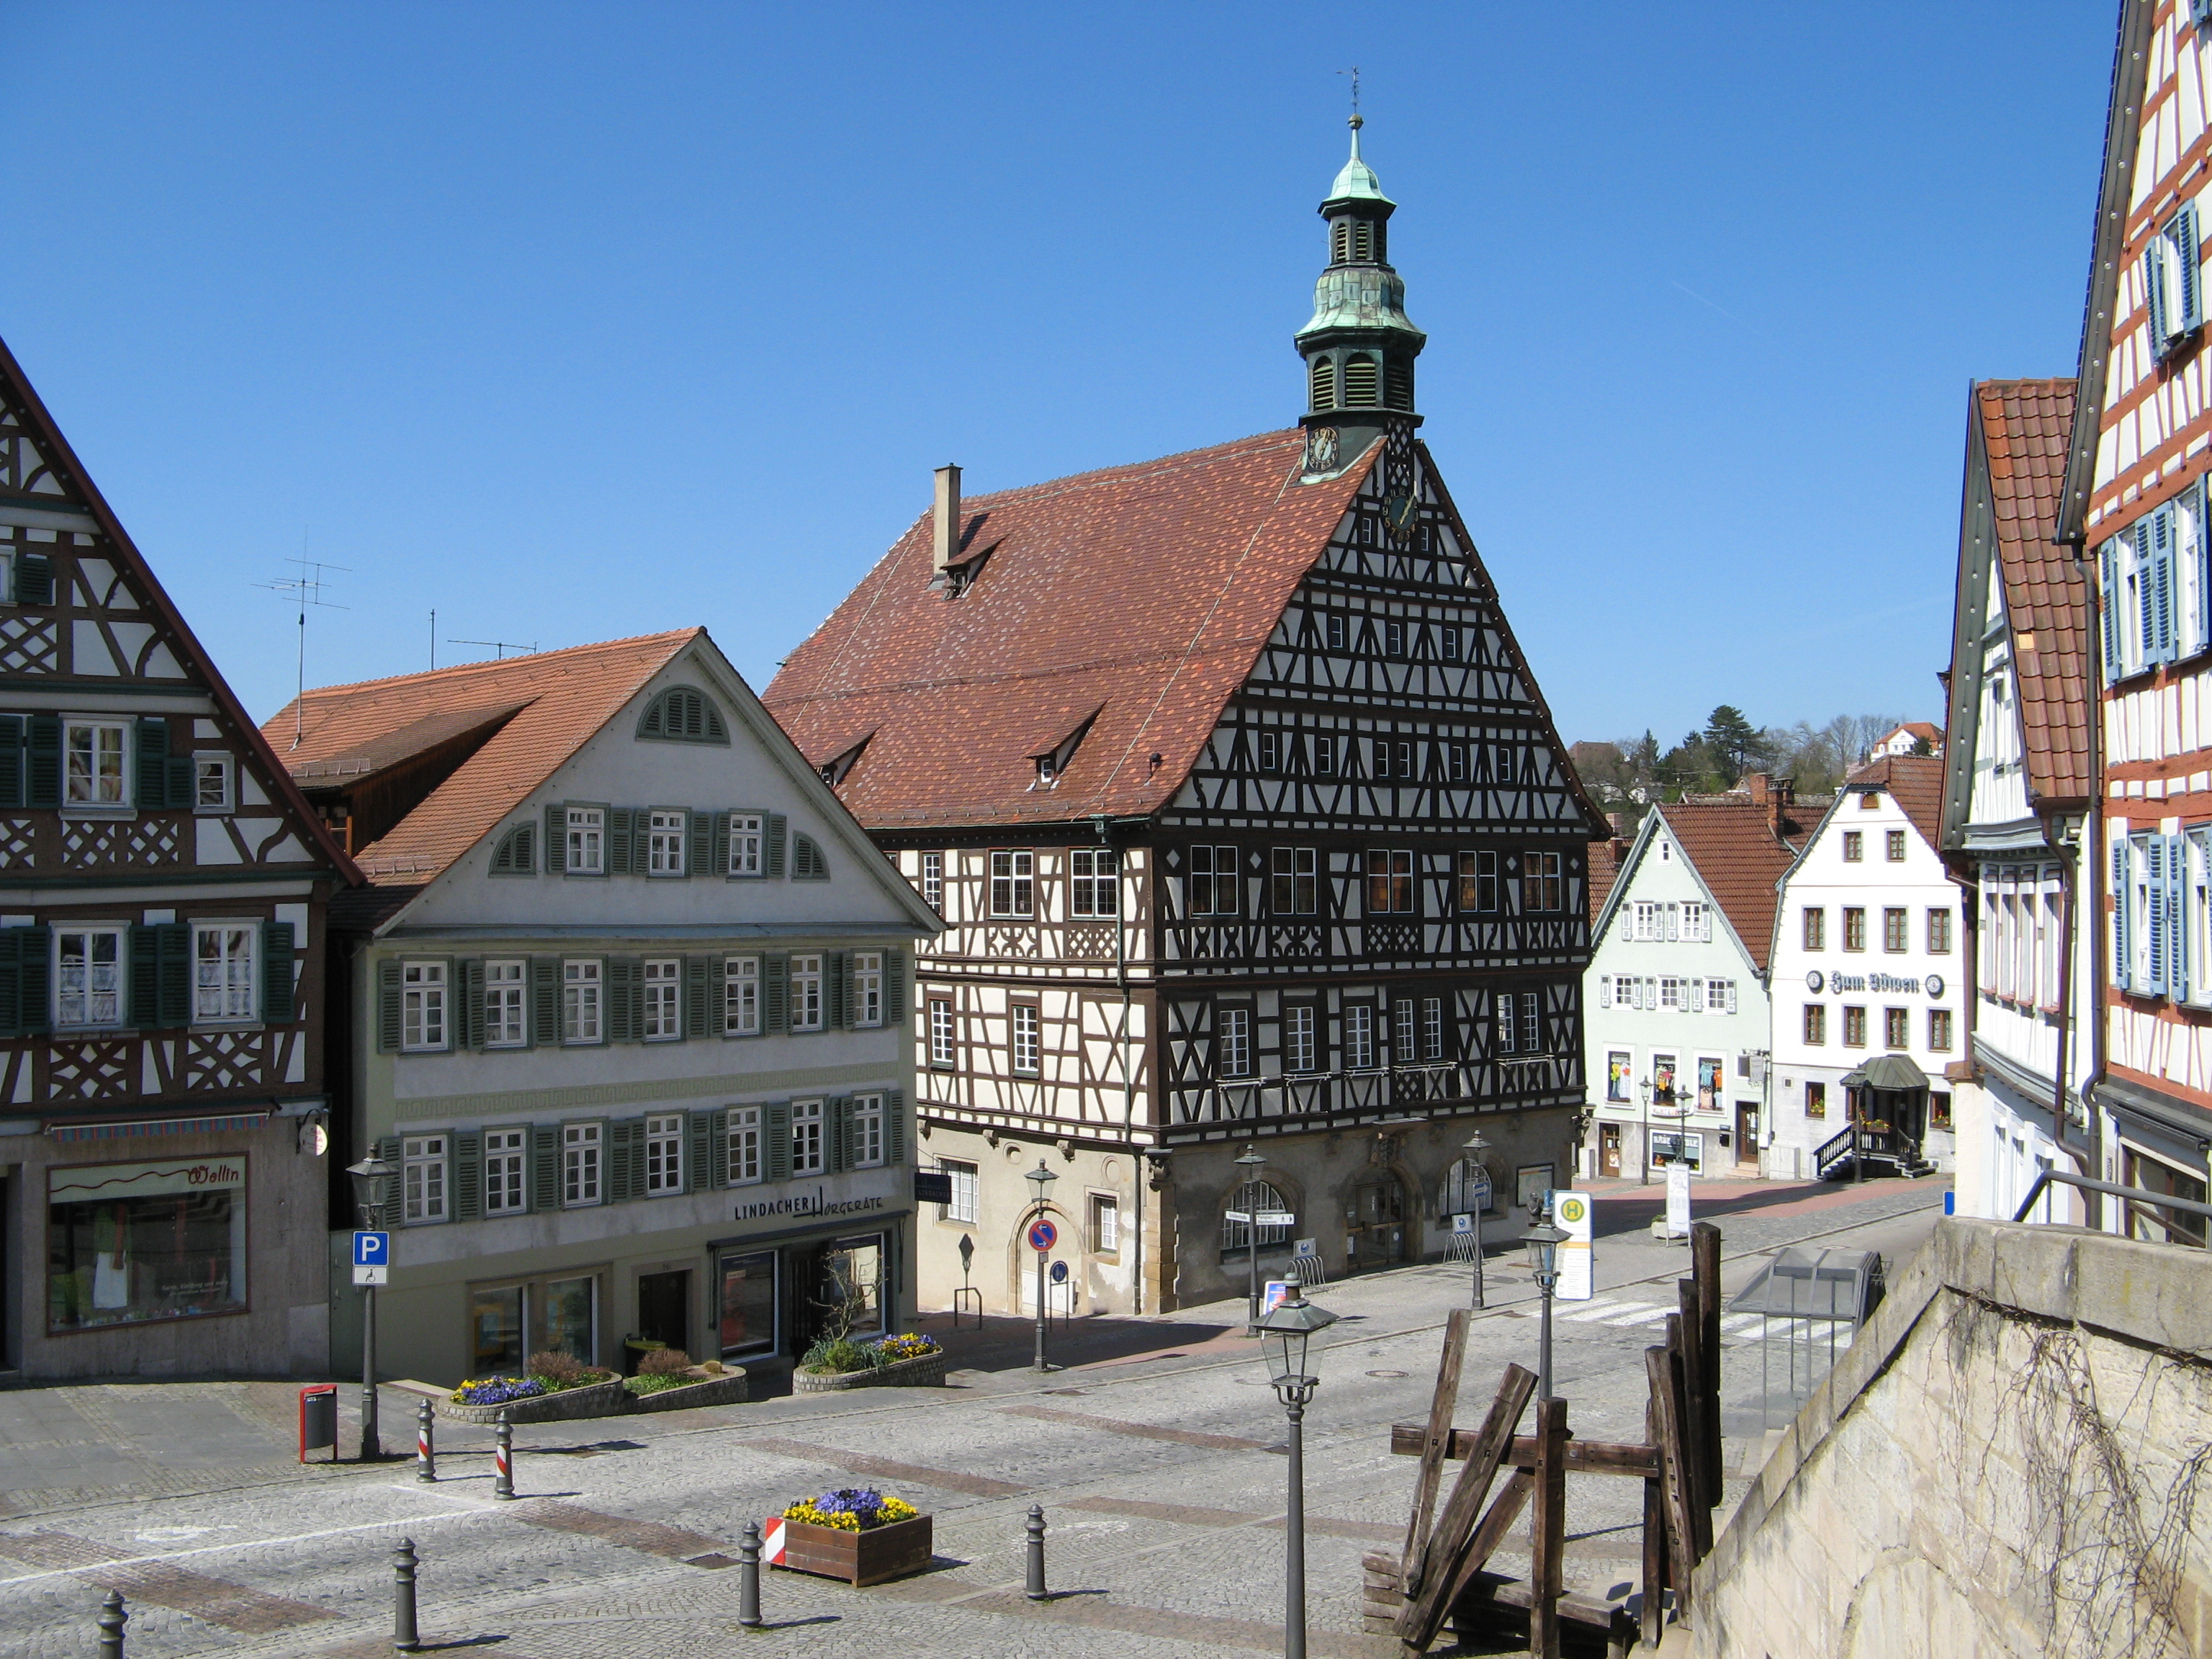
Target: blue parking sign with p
371	1258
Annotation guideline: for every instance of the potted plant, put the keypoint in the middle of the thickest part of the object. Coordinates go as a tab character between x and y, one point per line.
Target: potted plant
667	1381
858	1535
838	1362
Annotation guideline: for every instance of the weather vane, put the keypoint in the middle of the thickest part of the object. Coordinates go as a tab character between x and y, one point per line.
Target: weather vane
1354	73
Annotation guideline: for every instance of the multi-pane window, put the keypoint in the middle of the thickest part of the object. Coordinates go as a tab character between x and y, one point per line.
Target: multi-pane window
579	1163
422	1179
422	1005
1358	1036
1448	644
1816	1100
1393	638
1720	996
963	1205
581	985
746	1163
1939	1030
868	1131
1854	927
1478	882
1454	753
1432	1028
1094	882
1815	925
1939	932
1816	1023
587	841
1854	847
1670	994
1648	920
1013	883
1392	758
806	1143
663	845
222	972
1389	881
1298	1021
1213	881
95	750
1025	1039
940	1032
88	989
1895	934
1403	1016
1105	1224
933	881
1294	886
748	831
503	1004
1854	1027
868	1008
1695	922
1324	755
1233	1029
664	999
664	1153
1541	887
806	993
1271	752
1894	846
506	1166
211	782
1520	1023
1897	1028
741	1004
1336	631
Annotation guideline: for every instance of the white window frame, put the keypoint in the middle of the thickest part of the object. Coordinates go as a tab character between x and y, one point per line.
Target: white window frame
1720	996
933	881
748	842
1358	1036
741	996
424	1027
1648	922
220	767
868	1139
962	1207
944	1047
1432	1028
583	1001
2195	910
507	1172
667	832
237	997
425	1180
810	1137
585	841
1671	1001
119	969
96	791
1094	883
507	1003
1105	1224
664	1154
1697	919
1013	885
807	993
1233	1041
1026	1044
663	985
748	1161
583	1166
867	1010
1300	1037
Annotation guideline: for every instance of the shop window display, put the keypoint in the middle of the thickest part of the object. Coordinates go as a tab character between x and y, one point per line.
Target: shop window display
133	1241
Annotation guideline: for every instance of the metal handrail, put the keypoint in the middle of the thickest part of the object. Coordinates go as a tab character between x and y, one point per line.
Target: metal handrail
2045	1177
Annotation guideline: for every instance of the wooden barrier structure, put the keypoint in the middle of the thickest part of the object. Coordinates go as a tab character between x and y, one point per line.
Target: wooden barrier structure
1442	1572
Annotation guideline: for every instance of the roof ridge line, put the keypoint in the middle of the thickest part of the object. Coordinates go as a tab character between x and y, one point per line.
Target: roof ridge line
460	668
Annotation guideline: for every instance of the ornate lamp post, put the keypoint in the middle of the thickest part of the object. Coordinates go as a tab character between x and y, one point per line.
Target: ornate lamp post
1476	1145
371	1180
1248	1194
1290	1324
1644	1089
1543	1241
1040	1180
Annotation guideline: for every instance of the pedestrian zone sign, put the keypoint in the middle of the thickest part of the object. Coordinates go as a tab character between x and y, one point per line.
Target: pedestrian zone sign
371	1258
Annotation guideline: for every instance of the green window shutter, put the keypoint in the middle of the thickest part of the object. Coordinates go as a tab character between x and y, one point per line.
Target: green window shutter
698	1149
716	1164
545	1166
837	966
717	987
468	1175
33	979
544	1001
43	768
775	993
840	1114
626	1160
392	1219
35	580
718	853
174	948
697	970
776	1130
144	946
11	982
11	760
894	988
387	1006
772	852
625	998
181	792
622	833
153	736
278	991
894	1127
468	1015
556	838
698	841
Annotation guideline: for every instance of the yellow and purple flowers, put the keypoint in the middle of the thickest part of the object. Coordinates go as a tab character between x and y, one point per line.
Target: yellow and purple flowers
852	1508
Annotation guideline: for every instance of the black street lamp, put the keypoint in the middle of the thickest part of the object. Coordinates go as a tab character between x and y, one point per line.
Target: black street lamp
1041	1179
1248	1194
1645	1087
1290	1324
1476	1146
1543	1241
372	1182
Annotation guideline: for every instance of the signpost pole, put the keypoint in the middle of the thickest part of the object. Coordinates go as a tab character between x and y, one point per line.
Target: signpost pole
1042	1258
372	1447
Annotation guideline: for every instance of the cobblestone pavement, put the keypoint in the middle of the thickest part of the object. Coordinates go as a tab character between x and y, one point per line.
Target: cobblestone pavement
1161	1479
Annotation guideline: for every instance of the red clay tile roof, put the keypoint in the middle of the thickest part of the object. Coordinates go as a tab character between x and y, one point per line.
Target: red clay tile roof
1605	857
1734	848
562	698
1914	781
2025	429
1185	563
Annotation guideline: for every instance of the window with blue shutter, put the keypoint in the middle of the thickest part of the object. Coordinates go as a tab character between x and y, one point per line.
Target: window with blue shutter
2155	298
2158	593
2108	615
2122	894
2175	899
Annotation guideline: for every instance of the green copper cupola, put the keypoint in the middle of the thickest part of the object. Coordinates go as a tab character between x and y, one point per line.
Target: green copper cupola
1360	345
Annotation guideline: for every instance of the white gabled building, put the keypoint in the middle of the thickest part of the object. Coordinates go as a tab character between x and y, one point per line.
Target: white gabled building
1676	994
1867	974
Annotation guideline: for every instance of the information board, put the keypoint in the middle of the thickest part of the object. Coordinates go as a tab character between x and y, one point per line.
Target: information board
1576	1259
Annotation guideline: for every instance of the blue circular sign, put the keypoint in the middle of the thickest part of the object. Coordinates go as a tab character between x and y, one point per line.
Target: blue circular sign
1059	1274
1042	1235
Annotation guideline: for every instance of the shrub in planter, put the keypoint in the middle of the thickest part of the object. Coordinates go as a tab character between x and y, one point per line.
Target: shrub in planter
663	1362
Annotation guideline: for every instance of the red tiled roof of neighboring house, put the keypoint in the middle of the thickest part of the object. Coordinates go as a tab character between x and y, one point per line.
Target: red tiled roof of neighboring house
1139	595
2025	429
1605	857
1914	781
1927	729
1730	841
553	702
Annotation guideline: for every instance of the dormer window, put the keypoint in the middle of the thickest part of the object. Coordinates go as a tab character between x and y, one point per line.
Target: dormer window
1048	771
834	770
1052	765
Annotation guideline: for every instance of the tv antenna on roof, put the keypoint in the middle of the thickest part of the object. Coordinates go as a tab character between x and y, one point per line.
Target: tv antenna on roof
305	589
502	647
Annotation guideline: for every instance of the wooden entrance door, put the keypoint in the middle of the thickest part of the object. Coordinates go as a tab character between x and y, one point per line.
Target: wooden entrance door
1747	1133
1608	1149
1377	1237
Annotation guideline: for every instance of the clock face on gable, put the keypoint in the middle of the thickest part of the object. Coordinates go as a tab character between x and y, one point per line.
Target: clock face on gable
1401	513
1320	448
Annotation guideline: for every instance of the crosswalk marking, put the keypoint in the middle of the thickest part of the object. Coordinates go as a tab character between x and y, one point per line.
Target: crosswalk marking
1641	1316
1600	1310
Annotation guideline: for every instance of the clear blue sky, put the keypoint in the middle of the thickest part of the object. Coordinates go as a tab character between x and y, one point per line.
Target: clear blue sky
579	322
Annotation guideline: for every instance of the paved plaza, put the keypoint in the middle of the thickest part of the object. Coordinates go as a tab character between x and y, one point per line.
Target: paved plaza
1156	1454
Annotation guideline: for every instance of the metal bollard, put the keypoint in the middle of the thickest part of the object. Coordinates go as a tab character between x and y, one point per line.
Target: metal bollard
1036	1528
403	1635
112	1620
502	1457
425	1449
749	1554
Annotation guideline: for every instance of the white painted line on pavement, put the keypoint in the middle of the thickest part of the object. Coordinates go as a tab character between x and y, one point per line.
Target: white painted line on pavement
1601	1308
1643	1316
244	1544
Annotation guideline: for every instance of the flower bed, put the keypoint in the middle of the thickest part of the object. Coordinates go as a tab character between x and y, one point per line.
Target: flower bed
908	1361
597	1398
858	1535
687	1390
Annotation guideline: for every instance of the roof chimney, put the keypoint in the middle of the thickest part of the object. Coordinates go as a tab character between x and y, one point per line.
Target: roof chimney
948	516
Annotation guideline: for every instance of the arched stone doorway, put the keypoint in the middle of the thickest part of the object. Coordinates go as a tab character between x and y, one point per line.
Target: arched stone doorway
1381	1219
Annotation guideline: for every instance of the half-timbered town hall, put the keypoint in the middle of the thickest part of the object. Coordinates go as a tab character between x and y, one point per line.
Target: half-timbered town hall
1250	831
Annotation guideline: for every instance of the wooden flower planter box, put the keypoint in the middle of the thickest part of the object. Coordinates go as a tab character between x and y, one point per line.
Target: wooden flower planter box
858	1558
